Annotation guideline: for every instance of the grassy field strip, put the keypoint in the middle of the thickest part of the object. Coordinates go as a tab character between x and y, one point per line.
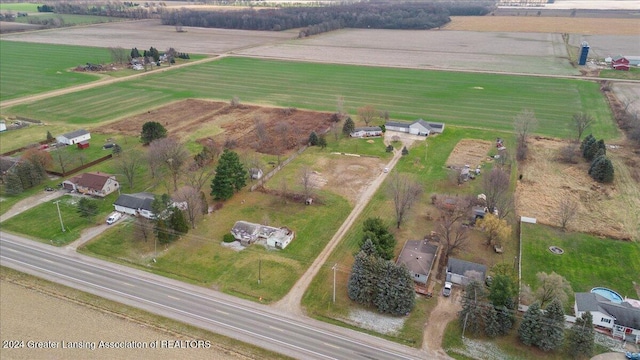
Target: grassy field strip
456	98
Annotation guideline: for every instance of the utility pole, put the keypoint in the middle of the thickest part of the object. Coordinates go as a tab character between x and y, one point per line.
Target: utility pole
259	270
59	214
335	266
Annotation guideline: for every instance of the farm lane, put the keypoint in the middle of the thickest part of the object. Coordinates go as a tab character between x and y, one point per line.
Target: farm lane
28	203
291	301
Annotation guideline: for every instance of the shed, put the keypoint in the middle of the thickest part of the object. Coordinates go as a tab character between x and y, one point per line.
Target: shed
83	145
74	137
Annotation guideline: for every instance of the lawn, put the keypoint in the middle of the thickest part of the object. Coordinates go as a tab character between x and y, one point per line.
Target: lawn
474	100
587	262
24	74
426	163
42	222
632	74
22	7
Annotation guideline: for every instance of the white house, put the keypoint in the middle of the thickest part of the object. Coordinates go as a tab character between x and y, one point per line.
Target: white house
418	127
135	204
462	272
74	137
622	319
366	132
94	183
248	233
3	126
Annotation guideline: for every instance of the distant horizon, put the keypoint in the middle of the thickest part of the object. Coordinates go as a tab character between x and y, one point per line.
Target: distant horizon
585	5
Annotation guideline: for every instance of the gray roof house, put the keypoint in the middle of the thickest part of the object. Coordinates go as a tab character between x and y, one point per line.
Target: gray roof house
418	256
418	127
462	272
135	204
74	137
367	131
248	233
622	318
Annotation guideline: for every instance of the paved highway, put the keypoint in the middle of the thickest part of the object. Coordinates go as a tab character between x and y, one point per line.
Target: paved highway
230	316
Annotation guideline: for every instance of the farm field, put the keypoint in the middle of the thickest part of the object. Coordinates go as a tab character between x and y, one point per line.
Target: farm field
70	19
22	74
609	210
146	33
463	99
587	262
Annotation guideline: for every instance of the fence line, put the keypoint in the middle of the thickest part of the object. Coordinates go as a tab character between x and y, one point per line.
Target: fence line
79	168
271	173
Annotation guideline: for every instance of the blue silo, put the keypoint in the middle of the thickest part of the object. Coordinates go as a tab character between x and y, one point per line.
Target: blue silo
584	51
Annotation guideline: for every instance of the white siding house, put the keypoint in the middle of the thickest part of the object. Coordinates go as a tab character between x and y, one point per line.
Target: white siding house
418	127
366	132
135	204
74	137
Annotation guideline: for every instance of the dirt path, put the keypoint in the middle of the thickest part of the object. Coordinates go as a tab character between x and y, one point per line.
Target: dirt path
28	203
444	312
291	302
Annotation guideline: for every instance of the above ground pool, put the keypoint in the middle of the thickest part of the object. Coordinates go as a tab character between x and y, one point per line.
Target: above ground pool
608	293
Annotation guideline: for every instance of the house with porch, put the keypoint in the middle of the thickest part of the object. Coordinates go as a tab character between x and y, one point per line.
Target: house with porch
248	233
622	319
136	204
92	183
418	256
418	127
463	272
368	131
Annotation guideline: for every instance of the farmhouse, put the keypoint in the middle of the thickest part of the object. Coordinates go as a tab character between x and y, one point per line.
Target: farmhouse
366	132
620	63
74	137
418	256
622	319
248	233
95	184
462	272
135	204
418	127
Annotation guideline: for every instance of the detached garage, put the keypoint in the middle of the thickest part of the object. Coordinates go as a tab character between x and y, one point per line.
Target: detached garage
74	137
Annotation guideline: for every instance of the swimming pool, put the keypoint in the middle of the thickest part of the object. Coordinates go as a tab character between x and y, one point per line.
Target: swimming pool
608	293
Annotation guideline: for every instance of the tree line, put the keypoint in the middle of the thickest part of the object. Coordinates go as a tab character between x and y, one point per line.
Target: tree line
324	18
109	8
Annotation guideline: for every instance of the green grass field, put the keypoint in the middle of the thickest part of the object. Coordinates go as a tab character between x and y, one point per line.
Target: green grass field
22	7
463	99
587	262
29	69
42	223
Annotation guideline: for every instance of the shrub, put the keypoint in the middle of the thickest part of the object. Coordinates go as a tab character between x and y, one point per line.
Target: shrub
228	238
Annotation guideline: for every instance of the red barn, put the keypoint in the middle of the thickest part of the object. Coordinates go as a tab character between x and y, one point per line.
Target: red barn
83	145
620	63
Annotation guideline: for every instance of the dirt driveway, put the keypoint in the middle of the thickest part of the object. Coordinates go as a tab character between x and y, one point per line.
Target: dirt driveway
445	311
31	201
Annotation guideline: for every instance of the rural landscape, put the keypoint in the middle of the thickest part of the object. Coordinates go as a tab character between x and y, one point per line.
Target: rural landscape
432	180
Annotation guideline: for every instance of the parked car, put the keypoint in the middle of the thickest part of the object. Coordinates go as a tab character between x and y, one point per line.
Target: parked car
49	188
114	217
446	290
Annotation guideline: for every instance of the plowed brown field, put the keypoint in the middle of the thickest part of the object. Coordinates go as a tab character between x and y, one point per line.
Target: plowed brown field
584	26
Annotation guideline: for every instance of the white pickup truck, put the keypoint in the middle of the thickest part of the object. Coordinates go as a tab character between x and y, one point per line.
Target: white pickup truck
115	216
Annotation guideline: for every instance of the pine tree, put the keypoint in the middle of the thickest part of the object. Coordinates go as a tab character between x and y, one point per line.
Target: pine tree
87	208
362	285
491	323
348	126
117	150
322	142
50	137
177	222
395	290
587	140
152	130
531	326
389	148
552	335
135	53
471	314
601	170
313	139
230	176
383	241
405	151
506	319
13	185
502	290
581	337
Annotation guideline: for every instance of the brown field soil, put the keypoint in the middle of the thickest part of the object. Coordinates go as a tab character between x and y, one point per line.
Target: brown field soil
6	27
585	26
223	123
27	315
609	210
470	152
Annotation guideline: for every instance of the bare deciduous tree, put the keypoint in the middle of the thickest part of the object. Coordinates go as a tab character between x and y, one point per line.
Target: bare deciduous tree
128	164
340	107
495	186
191	196
525	124
170	153
453	233
567	211
306	181
405	192
118	55
552	286
198	177
283	130
569	154
581	121
367	113
142	228
63	158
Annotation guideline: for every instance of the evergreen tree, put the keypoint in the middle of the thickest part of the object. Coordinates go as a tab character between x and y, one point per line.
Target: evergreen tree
389	148
506	319
502	290
178	222
117	150
368	247
13	185
405	151
322	142
552	335
589	147
383	241
152	130
471	315
601	170
135	53
491	322
395	290
587	140
362	286
230	176
594	148
50	137
348	126
531	325
581	337
87	209
313	139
